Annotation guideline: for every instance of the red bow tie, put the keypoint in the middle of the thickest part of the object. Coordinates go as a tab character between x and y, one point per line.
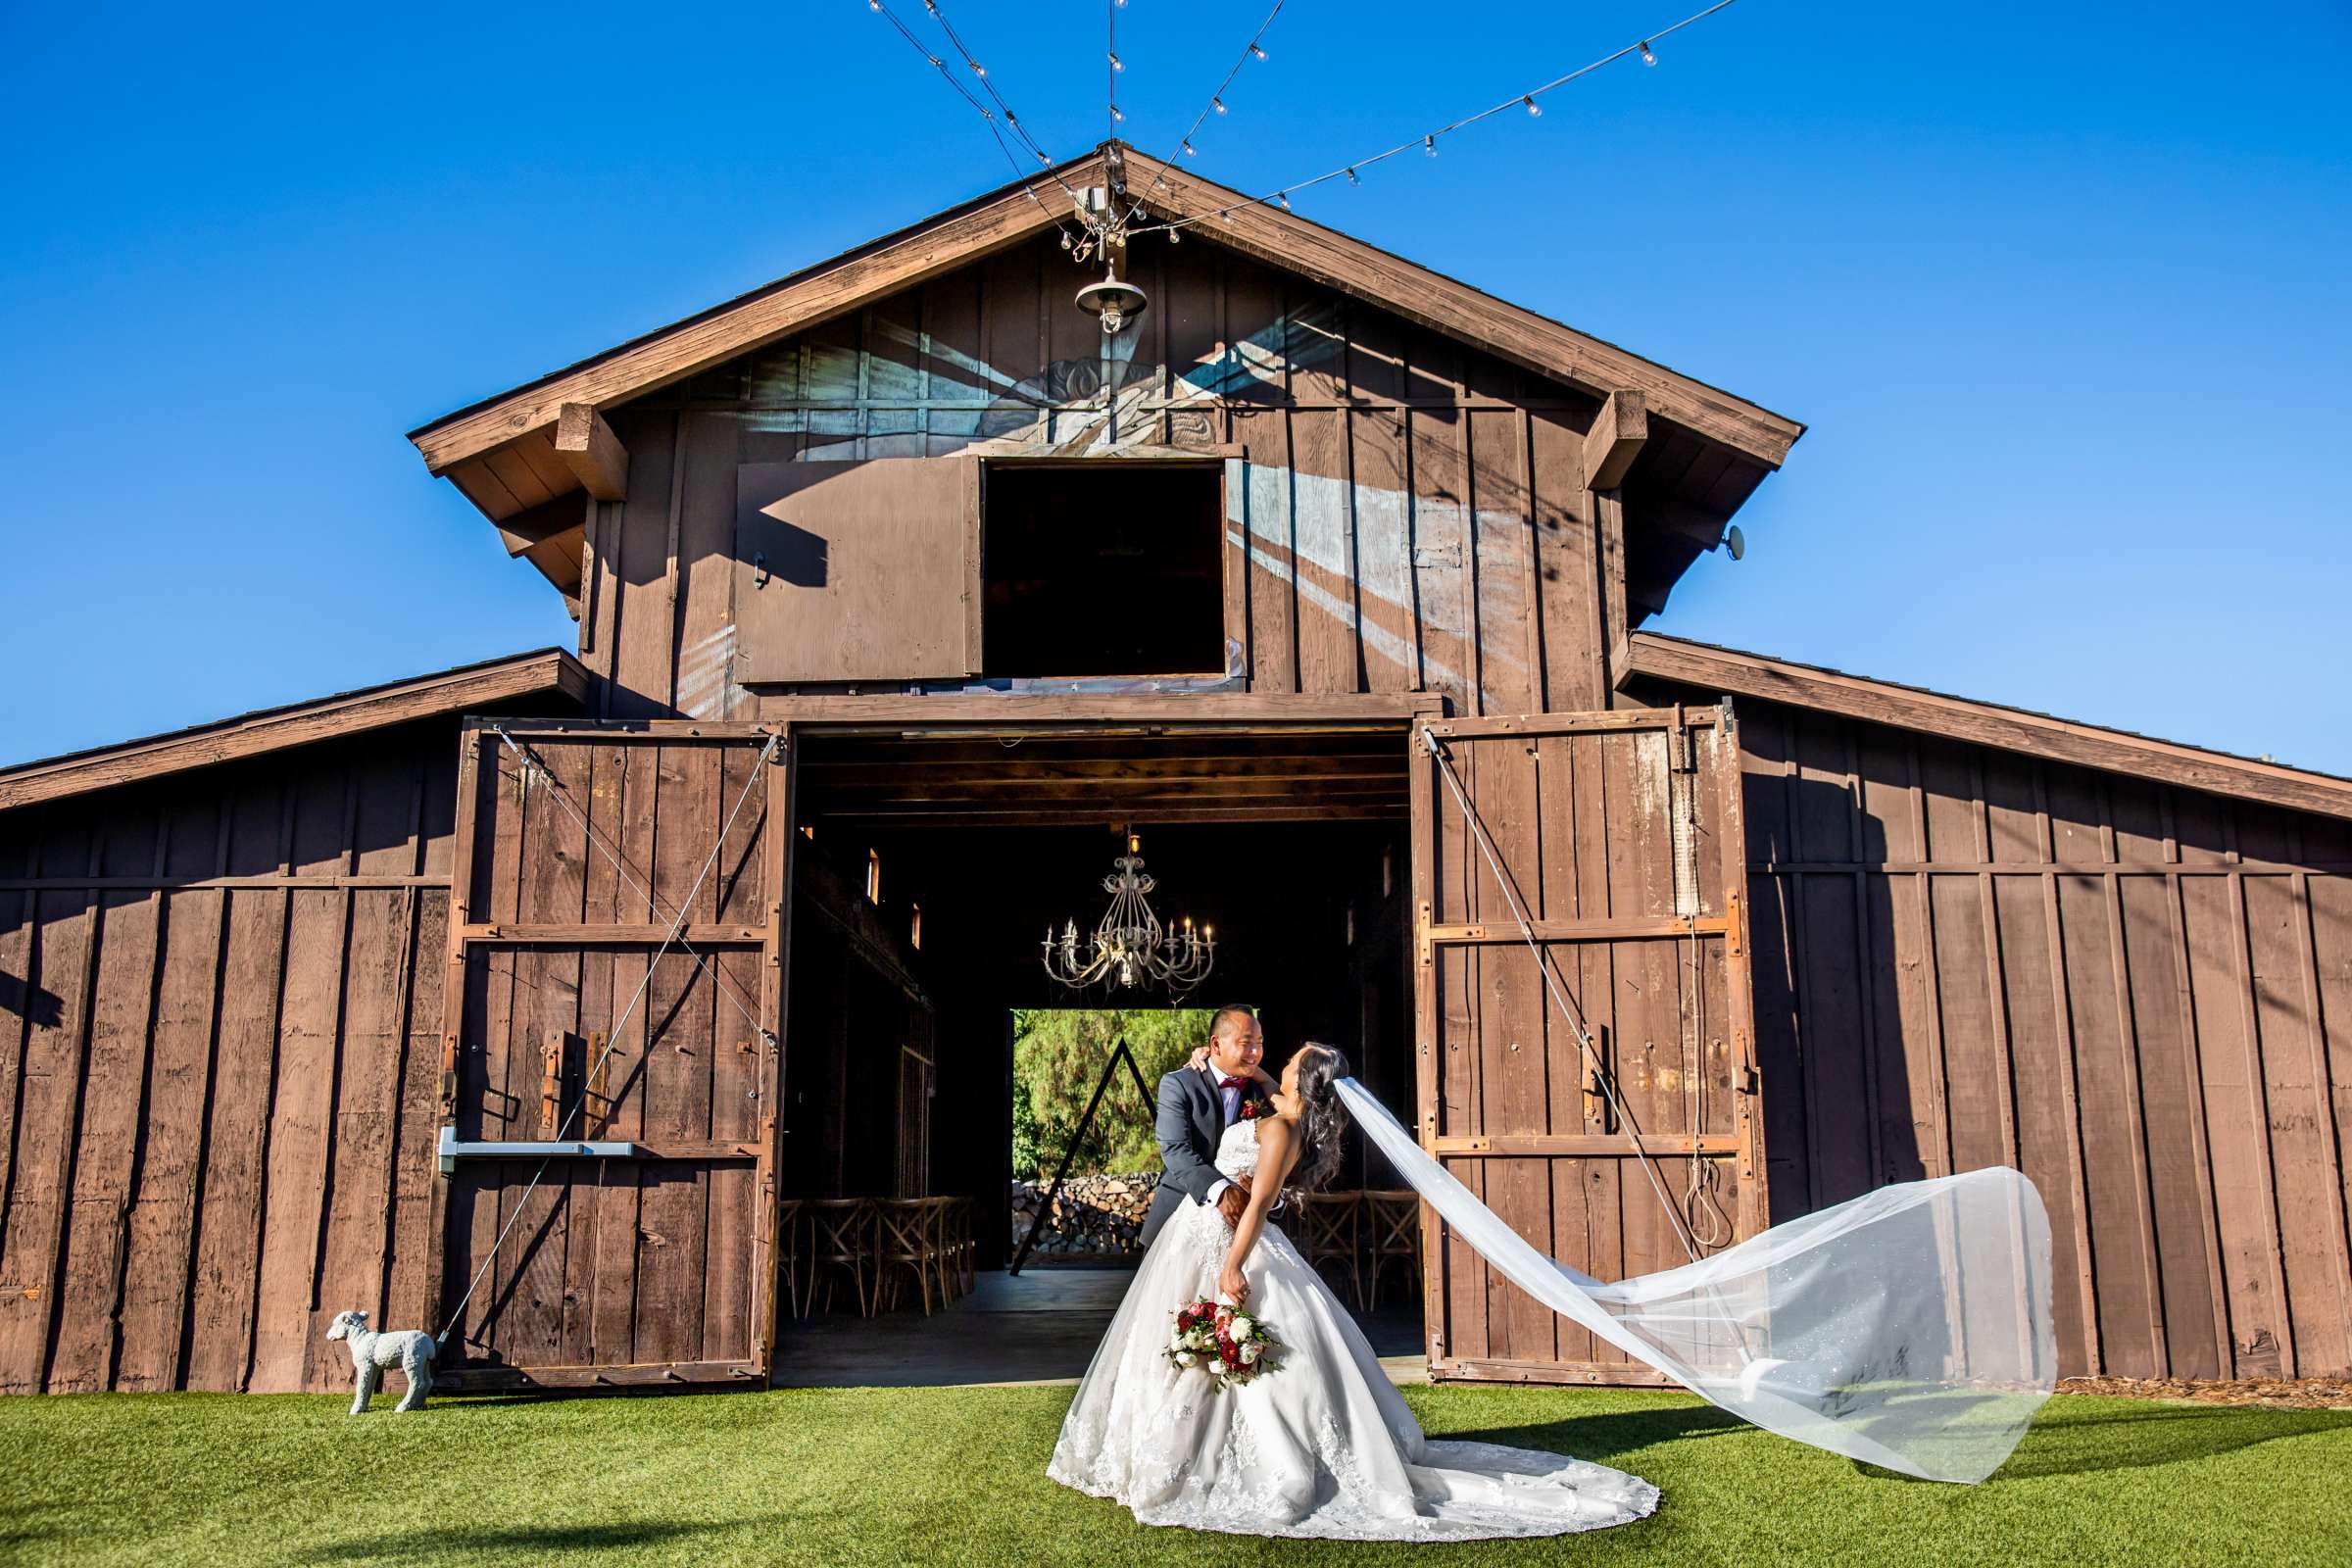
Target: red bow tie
1233	1082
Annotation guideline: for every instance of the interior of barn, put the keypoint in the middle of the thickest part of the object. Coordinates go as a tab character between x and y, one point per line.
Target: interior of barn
929	870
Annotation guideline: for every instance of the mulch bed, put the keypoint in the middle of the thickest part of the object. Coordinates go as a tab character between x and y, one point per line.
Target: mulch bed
2278	1394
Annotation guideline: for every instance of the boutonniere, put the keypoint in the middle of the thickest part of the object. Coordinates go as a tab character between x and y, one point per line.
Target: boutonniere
1252	1110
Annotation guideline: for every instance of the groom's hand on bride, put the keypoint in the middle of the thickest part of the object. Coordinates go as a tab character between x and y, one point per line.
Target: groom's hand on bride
1234	1202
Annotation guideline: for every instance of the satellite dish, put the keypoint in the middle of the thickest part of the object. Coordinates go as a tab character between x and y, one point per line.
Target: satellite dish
1736	542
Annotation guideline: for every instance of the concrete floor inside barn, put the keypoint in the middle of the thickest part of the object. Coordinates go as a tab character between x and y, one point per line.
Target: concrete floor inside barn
1040	1326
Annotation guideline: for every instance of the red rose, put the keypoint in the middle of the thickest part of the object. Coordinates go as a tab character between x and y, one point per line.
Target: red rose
1250	1110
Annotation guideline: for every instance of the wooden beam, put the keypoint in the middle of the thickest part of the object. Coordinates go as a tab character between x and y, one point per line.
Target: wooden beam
1173	715
1534	342
1726	669
550	673
1615	439
1009	216
592	452
790	305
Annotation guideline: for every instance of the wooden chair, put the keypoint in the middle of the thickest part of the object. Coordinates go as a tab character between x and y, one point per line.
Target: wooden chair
840	1241
939	1225
902	1233
967	1242
1392	1223
790	1255
1328	1230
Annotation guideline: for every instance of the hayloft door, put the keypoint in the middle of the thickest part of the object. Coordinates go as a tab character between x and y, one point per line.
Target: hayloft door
1586	868
612	1052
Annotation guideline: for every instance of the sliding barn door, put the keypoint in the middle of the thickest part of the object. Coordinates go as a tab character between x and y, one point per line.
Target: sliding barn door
1614	841
616	961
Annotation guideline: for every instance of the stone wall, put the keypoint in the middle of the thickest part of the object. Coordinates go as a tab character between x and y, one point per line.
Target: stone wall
1094	1216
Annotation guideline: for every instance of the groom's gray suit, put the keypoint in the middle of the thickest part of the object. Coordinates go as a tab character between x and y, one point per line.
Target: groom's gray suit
1191	1122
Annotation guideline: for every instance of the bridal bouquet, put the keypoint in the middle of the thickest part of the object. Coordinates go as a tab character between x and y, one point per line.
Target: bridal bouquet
1226	1342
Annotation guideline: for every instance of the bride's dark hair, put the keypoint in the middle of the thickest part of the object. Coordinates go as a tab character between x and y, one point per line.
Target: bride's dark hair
1321	1118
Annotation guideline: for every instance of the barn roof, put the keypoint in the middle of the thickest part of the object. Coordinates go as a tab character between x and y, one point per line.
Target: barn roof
515	432
544	672
2016	729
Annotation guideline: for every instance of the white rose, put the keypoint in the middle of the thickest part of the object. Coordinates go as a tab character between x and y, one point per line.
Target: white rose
1176	1339
1241	1327
1186	1359
1248	1354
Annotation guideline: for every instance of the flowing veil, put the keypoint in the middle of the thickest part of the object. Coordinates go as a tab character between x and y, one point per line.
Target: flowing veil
1909	1327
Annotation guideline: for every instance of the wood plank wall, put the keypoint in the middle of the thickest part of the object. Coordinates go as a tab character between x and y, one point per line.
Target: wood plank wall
219	1017
1415	516
2139	995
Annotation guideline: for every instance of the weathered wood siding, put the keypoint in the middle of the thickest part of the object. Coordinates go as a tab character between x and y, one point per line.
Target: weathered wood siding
220	1012
2139	995
1413	515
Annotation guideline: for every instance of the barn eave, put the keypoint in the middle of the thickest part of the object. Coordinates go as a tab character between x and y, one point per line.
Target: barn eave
1682	662
548	672
530	458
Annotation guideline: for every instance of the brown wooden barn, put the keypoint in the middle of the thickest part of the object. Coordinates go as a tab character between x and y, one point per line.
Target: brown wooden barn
905	587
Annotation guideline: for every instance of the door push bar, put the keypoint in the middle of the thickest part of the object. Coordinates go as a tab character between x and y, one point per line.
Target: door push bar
454	1149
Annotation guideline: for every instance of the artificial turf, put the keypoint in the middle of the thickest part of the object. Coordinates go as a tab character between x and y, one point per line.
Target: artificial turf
958	1476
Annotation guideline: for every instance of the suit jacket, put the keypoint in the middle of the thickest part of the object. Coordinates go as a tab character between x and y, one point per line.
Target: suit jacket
1191	1121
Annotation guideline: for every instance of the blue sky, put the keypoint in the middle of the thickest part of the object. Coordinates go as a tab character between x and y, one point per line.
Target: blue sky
2059	291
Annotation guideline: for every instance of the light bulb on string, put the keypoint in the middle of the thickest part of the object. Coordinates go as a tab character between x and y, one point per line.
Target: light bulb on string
1352	180
1191	151
1218	104
1284	197
1255	50
1175	237
1534	109
1428	144
1648	58
1116	64
978	69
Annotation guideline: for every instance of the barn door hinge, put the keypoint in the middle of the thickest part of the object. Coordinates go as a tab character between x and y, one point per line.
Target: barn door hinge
1734	931
1423	943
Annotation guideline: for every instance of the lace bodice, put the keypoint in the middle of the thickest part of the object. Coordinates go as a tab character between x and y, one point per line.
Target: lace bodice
1237	1151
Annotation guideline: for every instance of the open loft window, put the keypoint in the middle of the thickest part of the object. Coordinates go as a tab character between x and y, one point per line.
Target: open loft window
1106	568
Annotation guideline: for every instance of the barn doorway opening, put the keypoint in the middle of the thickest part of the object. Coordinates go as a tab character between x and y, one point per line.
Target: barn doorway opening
1292	845
1071	550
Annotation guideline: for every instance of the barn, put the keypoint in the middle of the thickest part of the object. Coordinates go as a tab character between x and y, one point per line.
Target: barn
908	596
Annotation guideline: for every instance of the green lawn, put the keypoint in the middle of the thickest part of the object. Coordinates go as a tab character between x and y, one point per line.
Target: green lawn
957	1475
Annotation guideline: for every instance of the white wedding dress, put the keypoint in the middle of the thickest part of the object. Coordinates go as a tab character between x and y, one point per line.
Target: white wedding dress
1321	1445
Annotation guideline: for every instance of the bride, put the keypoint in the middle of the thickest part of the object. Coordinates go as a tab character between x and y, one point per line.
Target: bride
1321	1443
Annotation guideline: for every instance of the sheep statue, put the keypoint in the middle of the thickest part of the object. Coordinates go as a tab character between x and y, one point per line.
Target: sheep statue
410	1349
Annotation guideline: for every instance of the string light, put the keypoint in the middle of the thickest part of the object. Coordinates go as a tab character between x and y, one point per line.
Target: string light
1534	109
1117	116
1429	139
1216	103
995	128
1282	197
1116	64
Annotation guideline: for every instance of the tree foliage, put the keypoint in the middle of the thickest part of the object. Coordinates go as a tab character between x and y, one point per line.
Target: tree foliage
1057	1057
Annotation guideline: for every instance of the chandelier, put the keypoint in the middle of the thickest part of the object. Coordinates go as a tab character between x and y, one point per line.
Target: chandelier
1129	945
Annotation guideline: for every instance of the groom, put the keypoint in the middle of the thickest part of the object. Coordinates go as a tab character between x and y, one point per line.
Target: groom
1196	1106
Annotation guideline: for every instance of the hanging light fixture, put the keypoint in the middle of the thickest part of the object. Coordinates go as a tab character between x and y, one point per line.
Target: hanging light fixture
1129	946
1116	300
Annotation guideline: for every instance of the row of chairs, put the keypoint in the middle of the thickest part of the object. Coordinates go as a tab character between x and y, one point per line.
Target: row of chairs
1353	1236
877	1245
